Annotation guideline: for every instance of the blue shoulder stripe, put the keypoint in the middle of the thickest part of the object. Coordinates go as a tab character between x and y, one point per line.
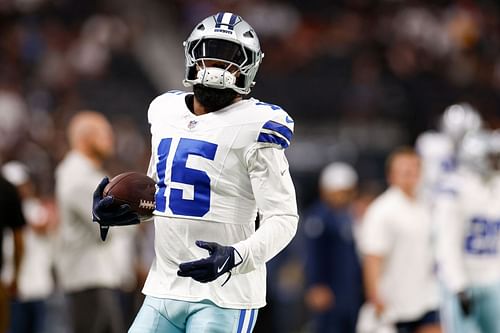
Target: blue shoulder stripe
273	138
281	129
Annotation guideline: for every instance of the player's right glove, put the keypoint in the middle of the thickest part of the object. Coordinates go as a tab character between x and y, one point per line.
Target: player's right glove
107	214
465	302
221	260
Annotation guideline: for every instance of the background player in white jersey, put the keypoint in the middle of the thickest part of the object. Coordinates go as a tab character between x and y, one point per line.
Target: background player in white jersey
438	150
468	216
218	159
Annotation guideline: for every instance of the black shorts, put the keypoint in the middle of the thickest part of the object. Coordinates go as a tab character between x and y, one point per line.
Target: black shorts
429	318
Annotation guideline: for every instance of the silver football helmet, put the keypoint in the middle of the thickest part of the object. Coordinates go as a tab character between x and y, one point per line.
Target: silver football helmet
227	39
476	150
460	119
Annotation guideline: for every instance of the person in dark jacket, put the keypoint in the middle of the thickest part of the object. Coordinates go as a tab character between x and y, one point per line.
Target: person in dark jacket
333	271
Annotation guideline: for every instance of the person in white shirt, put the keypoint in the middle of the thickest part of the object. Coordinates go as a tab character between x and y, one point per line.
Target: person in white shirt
396	245
218	160
85	265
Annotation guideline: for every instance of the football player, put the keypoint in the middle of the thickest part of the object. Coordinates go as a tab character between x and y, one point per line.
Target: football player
438	149
218	159
467	214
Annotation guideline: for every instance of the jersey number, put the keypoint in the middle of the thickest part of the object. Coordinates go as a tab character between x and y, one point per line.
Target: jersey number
180	173
483	237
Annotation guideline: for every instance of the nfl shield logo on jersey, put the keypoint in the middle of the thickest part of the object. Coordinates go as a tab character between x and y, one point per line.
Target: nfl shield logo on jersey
192	124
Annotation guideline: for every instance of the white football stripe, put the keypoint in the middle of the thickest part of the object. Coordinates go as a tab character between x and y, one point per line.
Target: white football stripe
226	18
278	134
246	322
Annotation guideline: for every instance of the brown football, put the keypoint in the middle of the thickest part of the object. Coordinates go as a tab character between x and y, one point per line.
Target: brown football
135	189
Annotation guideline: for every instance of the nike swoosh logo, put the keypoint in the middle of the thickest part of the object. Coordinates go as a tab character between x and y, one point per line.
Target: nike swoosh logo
283	172
288	119
219	269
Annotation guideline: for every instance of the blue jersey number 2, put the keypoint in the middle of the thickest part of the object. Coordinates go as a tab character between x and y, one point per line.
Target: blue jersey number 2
180	173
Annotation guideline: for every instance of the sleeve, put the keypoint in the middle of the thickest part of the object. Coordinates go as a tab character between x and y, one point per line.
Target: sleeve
156	108
275	196
14	217
152	113
450	229
376	237
277	131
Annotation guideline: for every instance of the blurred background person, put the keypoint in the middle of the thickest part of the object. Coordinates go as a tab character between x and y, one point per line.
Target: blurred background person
439	149
398	255
334	282
467	214
440	152
12	115
128	268
12	218
35	282
86	265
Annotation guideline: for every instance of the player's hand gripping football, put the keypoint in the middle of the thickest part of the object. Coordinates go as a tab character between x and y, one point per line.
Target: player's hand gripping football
221	260
107	214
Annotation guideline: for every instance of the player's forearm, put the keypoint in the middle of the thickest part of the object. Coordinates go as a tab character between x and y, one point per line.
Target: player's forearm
273	236
275	197
450	262
449	246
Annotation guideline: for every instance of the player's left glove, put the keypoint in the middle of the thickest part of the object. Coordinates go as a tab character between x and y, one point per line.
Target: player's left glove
107	214
221	260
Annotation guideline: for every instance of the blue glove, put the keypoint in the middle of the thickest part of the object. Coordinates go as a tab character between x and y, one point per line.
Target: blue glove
107	214
221	260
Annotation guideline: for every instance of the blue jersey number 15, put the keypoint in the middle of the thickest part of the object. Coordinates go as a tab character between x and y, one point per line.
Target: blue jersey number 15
180	173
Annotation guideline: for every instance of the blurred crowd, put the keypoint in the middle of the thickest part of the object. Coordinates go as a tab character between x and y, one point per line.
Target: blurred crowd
372	75
57	58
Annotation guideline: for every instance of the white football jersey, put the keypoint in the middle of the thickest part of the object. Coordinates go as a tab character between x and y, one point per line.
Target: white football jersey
213	173
438	160
467	214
